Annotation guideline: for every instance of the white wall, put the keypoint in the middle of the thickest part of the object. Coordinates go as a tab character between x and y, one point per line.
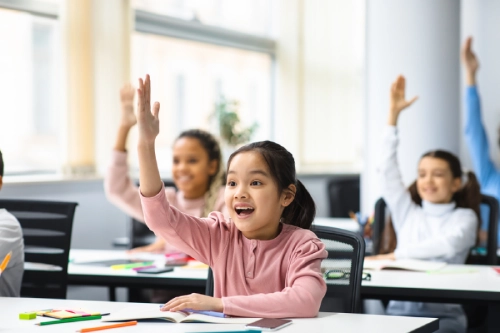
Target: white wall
419	39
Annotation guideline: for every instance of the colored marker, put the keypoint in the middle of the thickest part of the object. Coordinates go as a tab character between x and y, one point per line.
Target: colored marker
67	320
98	328
5	261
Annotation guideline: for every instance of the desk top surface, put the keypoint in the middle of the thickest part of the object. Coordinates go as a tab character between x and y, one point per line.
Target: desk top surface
452	277
325	322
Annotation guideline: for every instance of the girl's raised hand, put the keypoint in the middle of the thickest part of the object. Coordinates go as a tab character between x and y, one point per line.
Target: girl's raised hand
398	100
470	61
127	93
195	302
149	123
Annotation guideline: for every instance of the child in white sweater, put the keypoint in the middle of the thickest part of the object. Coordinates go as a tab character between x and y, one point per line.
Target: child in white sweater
436	218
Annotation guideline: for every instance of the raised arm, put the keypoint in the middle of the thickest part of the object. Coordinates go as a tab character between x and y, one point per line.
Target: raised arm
393	190
149	127
475	134
119	188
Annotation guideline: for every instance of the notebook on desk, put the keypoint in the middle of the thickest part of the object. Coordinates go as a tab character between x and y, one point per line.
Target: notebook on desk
135	313
404	264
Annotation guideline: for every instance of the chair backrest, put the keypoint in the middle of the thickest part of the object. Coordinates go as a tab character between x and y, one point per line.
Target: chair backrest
139	233
346	252
209	286
343	194
46	227
489	258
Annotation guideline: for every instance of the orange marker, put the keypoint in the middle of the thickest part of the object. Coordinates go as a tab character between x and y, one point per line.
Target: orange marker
92	329
5	261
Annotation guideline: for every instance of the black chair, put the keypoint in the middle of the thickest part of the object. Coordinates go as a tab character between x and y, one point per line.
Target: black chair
346	252
343	194
46	227
209	286
488	258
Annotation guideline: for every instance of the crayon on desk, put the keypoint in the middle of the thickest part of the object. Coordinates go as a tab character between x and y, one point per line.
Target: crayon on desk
98	328
67	320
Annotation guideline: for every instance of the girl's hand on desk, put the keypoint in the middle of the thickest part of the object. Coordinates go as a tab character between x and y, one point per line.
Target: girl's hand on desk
388	256
195	302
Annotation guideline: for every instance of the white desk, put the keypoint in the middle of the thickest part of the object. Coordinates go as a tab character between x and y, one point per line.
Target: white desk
326	322
479	287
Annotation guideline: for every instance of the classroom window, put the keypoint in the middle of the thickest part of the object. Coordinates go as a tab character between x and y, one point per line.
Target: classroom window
30	119
248	16
189	76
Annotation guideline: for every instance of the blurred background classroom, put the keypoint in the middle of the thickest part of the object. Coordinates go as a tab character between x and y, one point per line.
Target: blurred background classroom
312	75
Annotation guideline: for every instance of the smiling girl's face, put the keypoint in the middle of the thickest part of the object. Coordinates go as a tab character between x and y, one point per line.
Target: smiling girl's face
191	167
252	196
435	182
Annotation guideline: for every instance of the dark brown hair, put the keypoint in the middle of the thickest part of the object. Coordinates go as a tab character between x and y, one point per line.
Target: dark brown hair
281	165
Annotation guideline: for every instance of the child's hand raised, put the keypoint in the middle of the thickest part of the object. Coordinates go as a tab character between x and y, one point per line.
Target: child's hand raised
470	61
195	302
398	100
127	93
147	119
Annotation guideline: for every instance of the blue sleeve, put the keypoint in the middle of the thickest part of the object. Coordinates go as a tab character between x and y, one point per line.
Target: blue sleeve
476	139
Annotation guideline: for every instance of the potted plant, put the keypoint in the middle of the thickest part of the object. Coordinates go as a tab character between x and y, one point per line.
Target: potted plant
231	131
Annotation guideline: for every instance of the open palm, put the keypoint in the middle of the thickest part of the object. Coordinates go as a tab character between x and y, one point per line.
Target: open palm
147	119
127	93
469	59
398	100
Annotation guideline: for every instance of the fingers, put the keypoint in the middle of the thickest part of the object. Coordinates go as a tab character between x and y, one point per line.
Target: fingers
147	93
410	102
156	109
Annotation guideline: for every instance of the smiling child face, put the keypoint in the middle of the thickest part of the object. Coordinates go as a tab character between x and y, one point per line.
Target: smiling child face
252	197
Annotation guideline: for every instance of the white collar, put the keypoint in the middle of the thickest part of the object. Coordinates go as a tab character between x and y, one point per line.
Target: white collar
437	210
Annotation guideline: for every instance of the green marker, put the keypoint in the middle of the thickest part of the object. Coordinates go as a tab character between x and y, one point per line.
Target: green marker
68	320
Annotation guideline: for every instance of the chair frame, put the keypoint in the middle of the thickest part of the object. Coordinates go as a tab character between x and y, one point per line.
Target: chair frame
357	259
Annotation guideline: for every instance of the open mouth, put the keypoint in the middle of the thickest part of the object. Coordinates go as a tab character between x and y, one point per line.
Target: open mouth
244	211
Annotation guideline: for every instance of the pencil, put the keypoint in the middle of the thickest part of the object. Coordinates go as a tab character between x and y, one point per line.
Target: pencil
5	261
68	320
92	329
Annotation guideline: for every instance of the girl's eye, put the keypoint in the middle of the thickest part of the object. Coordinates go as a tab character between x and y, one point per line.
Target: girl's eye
256	183
175	161
192	161
231	183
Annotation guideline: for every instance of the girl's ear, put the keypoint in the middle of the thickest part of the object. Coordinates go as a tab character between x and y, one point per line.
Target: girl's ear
456	184
288	195
213	167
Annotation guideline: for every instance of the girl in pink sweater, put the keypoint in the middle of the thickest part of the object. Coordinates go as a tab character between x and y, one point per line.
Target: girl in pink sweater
197	171
265	263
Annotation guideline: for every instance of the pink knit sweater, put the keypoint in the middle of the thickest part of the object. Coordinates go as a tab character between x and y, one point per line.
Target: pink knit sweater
275	278
123	193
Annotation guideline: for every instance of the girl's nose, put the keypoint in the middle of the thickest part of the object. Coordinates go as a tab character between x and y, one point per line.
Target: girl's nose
240	193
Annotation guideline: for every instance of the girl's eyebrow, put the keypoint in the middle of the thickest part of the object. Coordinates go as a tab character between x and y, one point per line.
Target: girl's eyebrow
252	172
